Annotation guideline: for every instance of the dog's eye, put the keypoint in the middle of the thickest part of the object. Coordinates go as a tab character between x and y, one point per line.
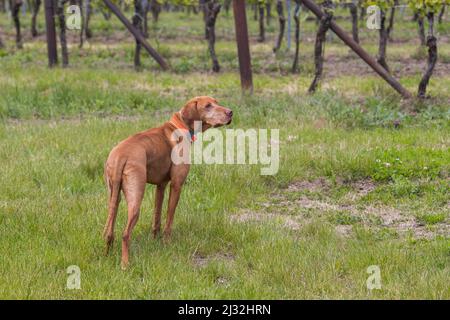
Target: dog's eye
208	106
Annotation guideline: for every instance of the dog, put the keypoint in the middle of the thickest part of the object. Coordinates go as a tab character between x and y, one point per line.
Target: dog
146	158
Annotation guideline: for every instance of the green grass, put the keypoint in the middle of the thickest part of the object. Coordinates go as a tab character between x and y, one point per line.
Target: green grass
433	218
57	127
54	208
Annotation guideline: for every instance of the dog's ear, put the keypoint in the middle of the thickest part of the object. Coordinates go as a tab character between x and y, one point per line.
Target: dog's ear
190	113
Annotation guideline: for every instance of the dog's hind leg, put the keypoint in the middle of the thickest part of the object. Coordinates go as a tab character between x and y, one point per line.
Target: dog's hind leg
114	187
134	188
159	198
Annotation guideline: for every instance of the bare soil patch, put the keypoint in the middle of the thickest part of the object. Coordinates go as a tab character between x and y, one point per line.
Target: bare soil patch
295	211
201	260
319	184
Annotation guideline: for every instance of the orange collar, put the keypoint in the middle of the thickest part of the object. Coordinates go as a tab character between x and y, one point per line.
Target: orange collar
179	124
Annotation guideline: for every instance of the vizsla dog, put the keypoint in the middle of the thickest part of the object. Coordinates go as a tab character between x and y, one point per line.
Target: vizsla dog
146	158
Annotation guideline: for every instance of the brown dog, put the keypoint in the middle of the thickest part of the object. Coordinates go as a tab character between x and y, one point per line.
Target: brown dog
146	158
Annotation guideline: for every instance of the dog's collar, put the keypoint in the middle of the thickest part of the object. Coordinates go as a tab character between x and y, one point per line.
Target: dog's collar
178	123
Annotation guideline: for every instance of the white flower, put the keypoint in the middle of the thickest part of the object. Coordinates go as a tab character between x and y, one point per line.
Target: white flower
387	164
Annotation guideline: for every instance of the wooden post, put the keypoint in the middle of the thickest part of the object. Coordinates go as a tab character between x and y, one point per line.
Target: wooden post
240	22
137	34
314	8
51	33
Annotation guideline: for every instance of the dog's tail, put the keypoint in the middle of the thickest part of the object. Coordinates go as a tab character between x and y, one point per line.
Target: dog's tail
114	184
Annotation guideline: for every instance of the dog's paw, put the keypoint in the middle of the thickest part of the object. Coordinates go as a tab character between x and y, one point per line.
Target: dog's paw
155	233
124	266
167	238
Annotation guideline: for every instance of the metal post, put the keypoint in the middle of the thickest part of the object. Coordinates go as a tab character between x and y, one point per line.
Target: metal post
359	50
51	33
240	22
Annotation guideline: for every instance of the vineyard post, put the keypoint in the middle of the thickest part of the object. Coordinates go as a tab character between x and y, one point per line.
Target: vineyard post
51	33
240	22
137	34
314	8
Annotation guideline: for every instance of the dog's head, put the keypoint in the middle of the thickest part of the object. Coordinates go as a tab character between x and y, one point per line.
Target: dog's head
206	110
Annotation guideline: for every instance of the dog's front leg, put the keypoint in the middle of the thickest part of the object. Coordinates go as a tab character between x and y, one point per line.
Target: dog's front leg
178	174
174	196
159	198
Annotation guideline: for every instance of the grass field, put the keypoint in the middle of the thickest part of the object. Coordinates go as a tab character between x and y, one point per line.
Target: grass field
363	179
